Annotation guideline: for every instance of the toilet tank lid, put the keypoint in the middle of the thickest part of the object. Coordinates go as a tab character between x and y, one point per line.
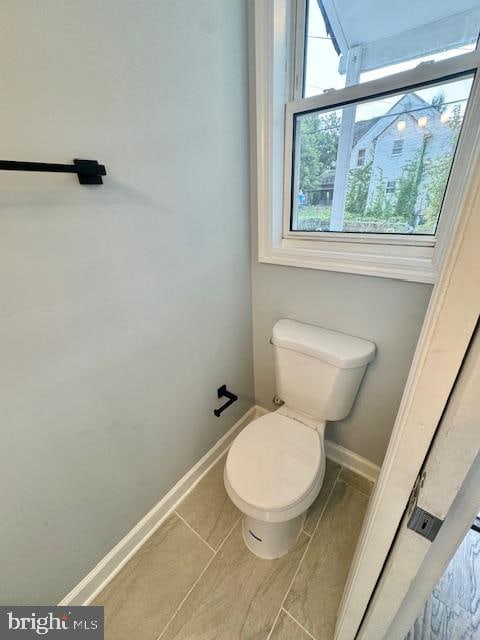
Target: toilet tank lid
338	349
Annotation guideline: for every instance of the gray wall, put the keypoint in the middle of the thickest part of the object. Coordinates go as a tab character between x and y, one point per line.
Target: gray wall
123	307
388	312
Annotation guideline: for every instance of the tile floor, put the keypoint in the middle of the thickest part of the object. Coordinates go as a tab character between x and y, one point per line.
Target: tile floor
195	579
453	610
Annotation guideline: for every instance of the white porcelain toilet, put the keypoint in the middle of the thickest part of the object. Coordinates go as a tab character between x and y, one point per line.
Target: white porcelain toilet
276	465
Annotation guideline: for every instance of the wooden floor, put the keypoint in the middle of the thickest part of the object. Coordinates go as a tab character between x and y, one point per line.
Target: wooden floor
453	610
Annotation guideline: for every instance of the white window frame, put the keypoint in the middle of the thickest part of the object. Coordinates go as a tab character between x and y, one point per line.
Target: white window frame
277	26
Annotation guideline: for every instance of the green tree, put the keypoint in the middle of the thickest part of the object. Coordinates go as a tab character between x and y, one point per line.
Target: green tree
436	180
437	173
408	188
378	207
455	123
357	190
318	147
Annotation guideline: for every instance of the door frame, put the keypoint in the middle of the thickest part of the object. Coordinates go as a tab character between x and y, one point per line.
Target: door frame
446	333
415	565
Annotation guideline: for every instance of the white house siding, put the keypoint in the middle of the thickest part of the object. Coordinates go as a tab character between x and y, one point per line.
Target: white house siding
380	138
387	166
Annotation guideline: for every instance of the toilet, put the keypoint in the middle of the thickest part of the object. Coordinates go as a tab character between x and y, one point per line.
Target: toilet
276	465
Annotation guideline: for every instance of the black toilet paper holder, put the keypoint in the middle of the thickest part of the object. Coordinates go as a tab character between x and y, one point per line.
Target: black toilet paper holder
222	392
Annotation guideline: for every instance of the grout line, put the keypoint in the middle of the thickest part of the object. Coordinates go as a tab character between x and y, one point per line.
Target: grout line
305	552
199	578
274	623
306	533
195	532
298	623
366	495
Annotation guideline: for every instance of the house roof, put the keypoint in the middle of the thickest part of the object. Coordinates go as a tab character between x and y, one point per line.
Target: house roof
361	127
402	106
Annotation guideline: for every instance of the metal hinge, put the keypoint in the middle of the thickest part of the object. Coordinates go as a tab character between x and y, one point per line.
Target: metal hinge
420	521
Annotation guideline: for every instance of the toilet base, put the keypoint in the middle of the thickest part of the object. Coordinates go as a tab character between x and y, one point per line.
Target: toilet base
270	540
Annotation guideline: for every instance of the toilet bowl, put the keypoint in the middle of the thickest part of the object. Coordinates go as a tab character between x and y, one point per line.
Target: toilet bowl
276	465
273	473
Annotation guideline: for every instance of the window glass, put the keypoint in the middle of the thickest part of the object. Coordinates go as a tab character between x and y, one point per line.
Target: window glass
390	187
366	40
321	54
392	175
398	144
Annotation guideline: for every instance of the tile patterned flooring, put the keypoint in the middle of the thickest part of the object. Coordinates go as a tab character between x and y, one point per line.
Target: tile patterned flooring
453	610
194	579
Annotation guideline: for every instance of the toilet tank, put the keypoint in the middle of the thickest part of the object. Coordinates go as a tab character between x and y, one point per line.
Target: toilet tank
319	371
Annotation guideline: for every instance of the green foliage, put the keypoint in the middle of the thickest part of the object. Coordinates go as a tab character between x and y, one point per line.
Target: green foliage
318	148
407	191
437	176
357	190
437	173
455	123
381	205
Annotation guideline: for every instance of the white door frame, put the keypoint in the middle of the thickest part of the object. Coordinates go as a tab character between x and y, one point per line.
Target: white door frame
449	324
450	490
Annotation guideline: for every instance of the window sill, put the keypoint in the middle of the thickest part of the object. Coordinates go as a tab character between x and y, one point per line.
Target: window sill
414	264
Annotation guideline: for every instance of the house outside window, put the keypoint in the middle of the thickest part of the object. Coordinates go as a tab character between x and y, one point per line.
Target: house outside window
370	134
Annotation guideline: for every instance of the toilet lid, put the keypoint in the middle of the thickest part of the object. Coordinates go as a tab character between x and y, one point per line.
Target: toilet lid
274	462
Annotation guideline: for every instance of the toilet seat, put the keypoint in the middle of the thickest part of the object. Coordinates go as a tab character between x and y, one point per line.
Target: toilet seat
275	467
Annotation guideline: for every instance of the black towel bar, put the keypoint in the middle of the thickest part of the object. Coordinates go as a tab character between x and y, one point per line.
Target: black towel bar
88	171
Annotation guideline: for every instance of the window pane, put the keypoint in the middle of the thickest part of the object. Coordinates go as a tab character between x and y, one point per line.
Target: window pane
365	40
378	166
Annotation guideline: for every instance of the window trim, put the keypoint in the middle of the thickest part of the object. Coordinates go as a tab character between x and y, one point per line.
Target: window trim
409	258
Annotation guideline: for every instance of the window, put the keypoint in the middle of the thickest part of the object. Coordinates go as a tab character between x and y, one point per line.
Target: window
398	144
390	188
358	155
422	163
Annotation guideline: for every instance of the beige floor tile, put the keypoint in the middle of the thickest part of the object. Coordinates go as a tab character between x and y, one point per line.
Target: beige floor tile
287	629
331	473
208	509
356	481
317	589
238	596
142	598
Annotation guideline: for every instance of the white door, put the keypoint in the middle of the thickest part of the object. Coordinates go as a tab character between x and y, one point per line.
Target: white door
447	495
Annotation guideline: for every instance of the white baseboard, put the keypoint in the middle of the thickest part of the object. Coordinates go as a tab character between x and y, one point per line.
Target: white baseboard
351	460
343	456
86	590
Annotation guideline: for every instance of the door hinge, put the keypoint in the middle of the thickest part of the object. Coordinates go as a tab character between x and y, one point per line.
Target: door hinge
420	521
